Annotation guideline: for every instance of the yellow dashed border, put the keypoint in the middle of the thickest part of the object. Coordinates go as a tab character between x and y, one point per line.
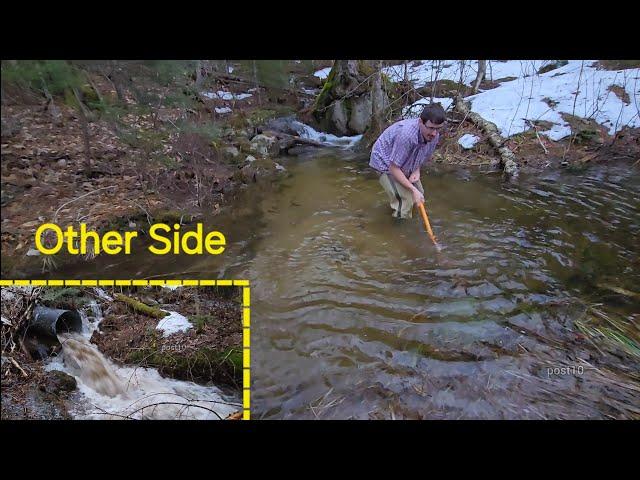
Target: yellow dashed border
246	312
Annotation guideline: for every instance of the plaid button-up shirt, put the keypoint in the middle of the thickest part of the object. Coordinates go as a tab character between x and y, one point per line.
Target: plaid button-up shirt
403	145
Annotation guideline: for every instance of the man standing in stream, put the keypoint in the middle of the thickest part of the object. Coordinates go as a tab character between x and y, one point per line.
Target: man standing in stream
399	153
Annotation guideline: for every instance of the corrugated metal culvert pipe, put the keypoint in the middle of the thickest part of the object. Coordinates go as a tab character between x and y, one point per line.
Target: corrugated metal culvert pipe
52	321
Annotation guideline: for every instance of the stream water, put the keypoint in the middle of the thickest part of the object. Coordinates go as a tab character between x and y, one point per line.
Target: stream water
355	314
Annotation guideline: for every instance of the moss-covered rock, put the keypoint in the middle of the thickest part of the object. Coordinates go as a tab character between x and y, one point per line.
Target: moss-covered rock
344	105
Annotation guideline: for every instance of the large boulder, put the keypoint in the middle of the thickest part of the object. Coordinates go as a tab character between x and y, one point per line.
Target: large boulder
345	106
360	113
287	125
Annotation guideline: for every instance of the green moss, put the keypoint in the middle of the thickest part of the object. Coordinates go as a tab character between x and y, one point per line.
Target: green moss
168	216
324	96
89	95
140	307
205	364
68	298
167	161
199	321
233	357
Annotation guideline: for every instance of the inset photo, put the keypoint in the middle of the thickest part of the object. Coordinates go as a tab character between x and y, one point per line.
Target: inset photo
131	353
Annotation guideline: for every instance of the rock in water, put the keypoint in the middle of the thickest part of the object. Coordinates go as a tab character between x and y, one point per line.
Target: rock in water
58	381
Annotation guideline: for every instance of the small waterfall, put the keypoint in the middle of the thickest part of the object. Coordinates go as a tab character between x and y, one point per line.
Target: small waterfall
114	392
86	362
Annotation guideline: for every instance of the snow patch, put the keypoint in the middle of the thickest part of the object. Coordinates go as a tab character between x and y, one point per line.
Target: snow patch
322	74
222	110
221	94
577	88
173	323
415	108
468	141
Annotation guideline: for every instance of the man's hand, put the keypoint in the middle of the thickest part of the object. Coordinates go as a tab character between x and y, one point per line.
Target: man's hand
418	198
415	176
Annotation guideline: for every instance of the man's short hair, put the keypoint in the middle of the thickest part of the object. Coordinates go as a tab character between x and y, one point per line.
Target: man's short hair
434	113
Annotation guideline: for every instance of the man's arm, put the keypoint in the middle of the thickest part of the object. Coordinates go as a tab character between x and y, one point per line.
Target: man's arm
402	179
415	175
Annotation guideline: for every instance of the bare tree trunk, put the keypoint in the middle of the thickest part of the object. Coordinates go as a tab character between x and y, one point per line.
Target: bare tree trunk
482	71
376	99
84	122
199	77
54	111
116	80
255	81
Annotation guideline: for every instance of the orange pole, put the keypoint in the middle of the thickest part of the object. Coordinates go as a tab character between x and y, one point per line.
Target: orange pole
427	225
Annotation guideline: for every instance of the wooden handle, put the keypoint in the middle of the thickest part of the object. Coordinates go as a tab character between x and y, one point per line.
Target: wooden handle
427	225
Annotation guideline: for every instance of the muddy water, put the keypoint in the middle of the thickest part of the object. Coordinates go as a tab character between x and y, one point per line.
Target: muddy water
355	315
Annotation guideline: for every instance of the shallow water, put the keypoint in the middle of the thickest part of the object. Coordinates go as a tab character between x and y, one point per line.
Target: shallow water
356	315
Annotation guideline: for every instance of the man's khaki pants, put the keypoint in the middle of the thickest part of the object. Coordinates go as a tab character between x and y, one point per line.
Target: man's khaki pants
400	198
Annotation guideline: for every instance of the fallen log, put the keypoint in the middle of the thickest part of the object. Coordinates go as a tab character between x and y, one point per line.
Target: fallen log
141	307
508	160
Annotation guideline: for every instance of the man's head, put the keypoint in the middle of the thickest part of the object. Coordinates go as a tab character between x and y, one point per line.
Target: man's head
431	120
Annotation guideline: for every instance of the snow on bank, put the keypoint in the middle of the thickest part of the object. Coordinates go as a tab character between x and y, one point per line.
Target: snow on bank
222	110
577	88
455	70
173	323
322	74
221	94
415	108
468	141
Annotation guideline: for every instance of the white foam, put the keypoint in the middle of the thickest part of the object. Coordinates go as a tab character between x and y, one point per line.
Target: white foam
102	294
146	394
326	138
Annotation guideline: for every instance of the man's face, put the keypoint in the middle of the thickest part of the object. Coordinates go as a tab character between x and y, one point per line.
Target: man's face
429	130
